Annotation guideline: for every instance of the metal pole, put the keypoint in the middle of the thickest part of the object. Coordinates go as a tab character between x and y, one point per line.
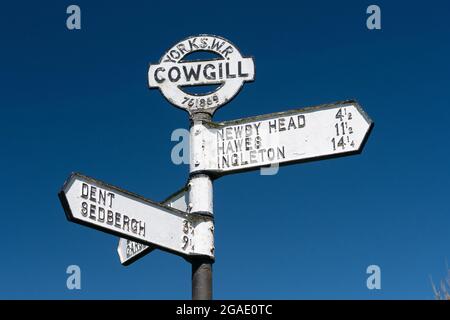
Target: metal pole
200	202
201	279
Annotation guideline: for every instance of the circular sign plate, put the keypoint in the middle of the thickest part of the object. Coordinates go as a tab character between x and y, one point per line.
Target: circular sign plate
173	74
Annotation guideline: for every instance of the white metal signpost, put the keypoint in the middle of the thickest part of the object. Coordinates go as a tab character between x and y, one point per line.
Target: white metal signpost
183	224
172	73
107	208
280	138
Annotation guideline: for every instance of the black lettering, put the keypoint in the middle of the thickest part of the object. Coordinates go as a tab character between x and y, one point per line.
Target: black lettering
158	79
192	44
220	134
174	54
101	214
248	130
216	45
126	223
92	212
111	197
253	157
281	124
238	144
220	147
248	144
220	71
234	160
117	224
272	125
301	121
226	51
203	43
291	123
270	154
92	194
84	209
211	75
102	197
84	190
238	132
261	153
240	73
229	133
228	75
178	74
110	217
229	147
280	153
258	142
182	48
142	228
134	225
257	127
192	73
225	161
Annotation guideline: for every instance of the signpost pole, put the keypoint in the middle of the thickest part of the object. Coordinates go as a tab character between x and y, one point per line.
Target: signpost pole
201	202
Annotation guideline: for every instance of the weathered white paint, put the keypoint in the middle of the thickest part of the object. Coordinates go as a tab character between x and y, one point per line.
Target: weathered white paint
200	194
107	208
130	250
172	73
200	186
285	137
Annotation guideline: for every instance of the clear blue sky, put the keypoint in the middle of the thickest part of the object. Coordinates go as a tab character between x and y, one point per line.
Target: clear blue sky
78	101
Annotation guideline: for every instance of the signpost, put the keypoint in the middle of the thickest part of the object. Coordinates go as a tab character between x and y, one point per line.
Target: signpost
320	132
107	208
129	250
172	73
183	223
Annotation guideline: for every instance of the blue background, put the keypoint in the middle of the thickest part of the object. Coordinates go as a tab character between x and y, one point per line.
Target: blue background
78	101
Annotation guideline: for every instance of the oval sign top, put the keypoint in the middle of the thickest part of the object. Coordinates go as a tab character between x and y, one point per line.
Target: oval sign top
173	73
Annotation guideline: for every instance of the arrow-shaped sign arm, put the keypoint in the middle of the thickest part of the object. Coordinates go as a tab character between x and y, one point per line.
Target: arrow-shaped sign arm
116	211
294	136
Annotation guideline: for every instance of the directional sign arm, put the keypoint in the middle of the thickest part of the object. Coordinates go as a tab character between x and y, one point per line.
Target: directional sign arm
110	209
294	136
130	251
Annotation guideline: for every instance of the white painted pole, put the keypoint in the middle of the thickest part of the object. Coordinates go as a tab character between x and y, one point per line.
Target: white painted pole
201	202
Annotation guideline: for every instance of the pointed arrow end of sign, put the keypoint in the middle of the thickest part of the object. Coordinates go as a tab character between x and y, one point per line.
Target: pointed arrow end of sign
369	121
65	204
366	137
62	196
